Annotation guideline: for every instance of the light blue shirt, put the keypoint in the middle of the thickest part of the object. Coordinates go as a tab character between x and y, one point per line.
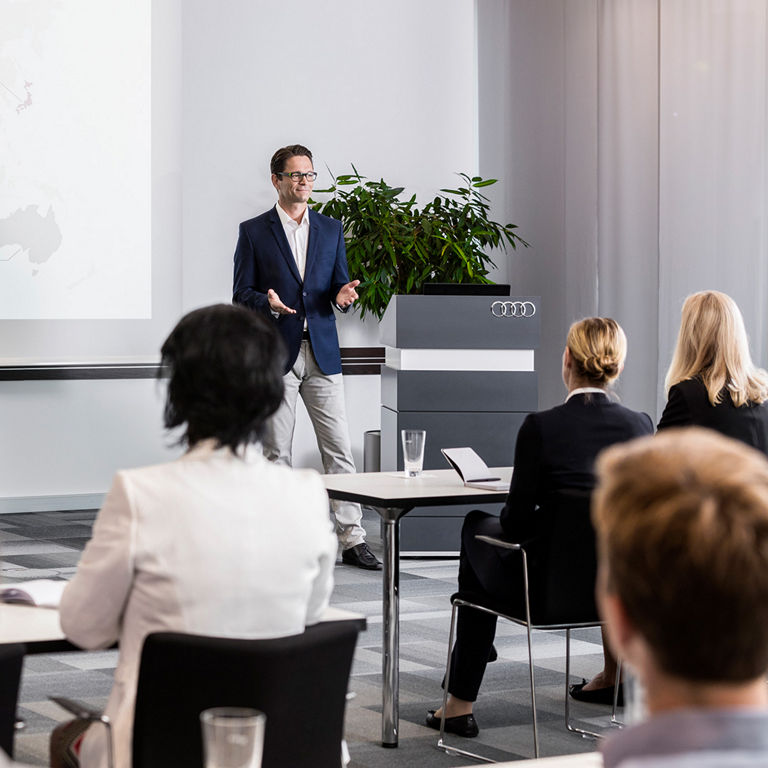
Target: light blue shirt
692	738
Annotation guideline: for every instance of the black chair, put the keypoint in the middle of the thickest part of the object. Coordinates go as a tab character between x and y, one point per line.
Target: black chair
11	662
299	682
558	573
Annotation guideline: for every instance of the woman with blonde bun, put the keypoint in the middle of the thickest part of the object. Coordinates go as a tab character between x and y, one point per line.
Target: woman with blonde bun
555	451
712	381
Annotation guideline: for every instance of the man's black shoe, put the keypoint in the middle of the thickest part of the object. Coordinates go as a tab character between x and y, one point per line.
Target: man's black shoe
461	725
361	556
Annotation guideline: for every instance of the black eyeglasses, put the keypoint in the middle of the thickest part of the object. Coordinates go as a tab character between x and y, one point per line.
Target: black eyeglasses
298	175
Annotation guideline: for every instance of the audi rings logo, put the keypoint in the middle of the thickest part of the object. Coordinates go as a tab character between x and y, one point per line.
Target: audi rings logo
513	309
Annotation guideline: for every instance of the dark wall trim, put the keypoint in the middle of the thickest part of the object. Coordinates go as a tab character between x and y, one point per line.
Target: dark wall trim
45	372
362	361
355	361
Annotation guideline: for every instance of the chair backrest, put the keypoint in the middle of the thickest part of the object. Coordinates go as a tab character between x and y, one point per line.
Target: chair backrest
11	661
299	682
563	570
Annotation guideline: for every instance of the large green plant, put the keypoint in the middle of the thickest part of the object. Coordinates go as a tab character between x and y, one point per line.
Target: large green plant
393	246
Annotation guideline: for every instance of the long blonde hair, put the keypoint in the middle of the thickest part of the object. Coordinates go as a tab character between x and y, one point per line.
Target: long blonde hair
598	348
712	344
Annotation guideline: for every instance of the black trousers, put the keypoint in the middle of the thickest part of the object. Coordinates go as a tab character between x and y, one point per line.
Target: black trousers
484	572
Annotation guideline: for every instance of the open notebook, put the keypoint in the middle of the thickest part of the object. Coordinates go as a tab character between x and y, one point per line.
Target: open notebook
473	470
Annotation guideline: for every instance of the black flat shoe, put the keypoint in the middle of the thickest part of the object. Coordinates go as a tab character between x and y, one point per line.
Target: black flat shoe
596	696
461	725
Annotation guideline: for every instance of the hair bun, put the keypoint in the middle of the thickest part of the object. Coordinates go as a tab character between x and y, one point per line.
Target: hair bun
598	347
601	368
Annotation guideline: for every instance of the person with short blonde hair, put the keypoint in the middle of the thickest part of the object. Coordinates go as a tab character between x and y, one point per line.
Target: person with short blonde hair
712	381
555	451
682	529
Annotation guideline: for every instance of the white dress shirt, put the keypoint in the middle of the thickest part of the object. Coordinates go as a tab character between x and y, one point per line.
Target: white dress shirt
297	235
585	391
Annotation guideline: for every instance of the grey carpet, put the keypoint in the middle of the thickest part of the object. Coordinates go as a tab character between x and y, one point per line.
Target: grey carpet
47	545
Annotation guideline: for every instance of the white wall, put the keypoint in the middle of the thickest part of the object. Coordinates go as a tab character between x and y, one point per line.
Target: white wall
68	434
391	87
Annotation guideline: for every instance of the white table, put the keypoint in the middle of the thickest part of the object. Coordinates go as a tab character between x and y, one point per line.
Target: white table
584	760
40	631
393	495
37	627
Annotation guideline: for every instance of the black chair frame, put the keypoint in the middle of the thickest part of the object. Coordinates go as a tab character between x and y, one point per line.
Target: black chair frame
11	663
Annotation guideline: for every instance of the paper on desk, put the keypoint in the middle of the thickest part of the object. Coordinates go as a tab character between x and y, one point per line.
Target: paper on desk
44	593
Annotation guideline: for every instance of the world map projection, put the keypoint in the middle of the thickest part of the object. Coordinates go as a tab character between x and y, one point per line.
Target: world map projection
75	159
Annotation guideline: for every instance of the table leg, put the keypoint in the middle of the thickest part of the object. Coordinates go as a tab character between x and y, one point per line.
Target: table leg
391	634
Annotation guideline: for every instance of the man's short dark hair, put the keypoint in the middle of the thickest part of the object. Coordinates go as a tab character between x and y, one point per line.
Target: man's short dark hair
225	368
281	157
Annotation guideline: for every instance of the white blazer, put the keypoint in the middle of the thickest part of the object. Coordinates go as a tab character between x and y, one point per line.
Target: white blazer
6	762
212	543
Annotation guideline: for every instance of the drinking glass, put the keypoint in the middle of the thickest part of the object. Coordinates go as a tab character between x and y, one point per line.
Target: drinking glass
233	737
635	708
413	450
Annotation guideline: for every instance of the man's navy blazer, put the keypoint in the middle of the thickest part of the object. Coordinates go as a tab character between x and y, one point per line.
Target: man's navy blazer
263	260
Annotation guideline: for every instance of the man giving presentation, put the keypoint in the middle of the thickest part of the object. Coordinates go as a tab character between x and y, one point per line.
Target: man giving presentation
291	264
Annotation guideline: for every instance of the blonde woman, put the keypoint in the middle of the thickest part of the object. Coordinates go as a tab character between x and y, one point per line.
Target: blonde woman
712	381
555	451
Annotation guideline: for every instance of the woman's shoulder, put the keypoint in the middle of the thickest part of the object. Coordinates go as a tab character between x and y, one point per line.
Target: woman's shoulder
199	466
612	410
640	419
693	387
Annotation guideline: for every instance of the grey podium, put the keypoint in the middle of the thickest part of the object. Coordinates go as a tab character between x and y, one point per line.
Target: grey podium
463	369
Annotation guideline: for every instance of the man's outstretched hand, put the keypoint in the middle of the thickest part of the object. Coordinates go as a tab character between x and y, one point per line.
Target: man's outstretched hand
347	294
277	306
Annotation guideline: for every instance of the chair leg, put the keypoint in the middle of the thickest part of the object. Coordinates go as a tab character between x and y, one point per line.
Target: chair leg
447	748
110	742
614	720
572	728
533	690
447	675
465	753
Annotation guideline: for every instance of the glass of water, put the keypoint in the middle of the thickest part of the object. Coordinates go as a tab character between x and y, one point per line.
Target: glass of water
233	737
413	450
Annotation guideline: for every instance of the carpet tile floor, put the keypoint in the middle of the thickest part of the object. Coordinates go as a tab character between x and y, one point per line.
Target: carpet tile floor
48	544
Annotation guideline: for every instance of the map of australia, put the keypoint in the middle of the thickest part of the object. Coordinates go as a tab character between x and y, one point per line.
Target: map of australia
29	233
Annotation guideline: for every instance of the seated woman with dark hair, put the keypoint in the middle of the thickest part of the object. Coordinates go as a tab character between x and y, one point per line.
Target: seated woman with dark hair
712	381
555	451
218	542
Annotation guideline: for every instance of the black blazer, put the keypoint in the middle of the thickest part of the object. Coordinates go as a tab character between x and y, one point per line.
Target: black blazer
556	450
688	405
